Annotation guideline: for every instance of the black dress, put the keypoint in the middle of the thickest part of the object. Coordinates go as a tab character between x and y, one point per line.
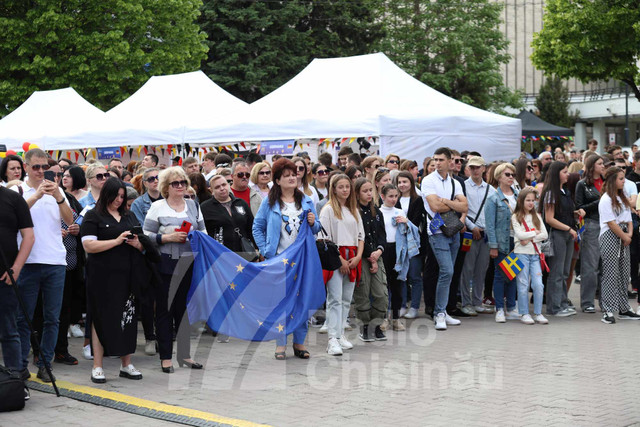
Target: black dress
111	278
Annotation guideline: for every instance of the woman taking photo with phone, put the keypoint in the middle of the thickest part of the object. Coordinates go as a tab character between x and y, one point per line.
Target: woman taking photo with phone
114	257
167	224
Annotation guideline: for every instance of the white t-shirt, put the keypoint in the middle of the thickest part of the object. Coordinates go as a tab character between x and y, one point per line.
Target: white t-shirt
45	213
313	196
404	203
607	213
290	225
388	214
324	191
343	232
630	188
434	184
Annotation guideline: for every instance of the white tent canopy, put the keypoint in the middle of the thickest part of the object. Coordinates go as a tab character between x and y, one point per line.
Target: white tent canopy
45	113
367	96
156	114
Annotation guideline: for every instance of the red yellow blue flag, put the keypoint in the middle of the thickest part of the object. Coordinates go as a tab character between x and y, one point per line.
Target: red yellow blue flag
511	266
467	240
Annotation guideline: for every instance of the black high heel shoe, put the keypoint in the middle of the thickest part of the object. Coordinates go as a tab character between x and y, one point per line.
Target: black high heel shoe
191	365
167	370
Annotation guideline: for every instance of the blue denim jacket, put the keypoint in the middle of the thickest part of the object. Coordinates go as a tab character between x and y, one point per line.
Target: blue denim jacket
407	246
141	206
268	222
498	221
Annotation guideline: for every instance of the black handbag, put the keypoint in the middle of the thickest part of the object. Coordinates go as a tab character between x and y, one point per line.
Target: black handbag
452	224
11	390
249	251
329	253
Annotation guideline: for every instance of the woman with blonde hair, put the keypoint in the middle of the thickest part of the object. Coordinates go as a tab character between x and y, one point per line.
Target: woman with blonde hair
392	161
96	176
260	178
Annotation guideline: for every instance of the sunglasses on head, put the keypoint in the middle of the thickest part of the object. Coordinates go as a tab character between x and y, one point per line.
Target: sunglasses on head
323	172
178	184
301	168
243	175
152	178
102	176
508	174
264	173
44	167
190	196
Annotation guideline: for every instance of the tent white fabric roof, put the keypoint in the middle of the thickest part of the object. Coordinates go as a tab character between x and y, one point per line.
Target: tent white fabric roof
367	95
156	114
45	113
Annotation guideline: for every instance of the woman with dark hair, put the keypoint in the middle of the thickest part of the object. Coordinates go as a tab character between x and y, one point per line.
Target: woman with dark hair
537	171
354	173
320	180
276	227
74	181
303	182
588	198
616	231
112	276
11	169
524	173
558	212
200	186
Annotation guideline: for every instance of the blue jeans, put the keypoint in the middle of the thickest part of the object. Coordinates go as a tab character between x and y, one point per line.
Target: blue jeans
33	279
9	336
531	271
445	250
503	287
414	279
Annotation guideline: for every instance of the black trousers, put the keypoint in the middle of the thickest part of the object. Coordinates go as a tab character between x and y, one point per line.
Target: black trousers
393	284
171	312
430	278
488	280
455	280
146	309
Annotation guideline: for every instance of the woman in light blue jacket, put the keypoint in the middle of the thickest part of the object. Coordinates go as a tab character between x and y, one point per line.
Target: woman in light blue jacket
500	207
275	228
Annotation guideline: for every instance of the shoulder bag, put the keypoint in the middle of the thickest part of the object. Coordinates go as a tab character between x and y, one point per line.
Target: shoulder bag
452	224
329	253
249	250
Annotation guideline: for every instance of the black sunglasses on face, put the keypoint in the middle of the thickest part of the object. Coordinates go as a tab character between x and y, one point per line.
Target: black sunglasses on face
38	167
395	162
458	161
383	169
229	181
102	176
243	175
178	184
59	174
508	174
323	172
264	173
152	178
301	168
190	196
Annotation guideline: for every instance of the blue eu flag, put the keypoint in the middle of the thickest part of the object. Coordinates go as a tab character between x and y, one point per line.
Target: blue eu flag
255	301
436	223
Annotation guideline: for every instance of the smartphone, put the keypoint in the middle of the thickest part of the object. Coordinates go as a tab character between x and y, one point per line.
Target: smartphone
185	227
50	176
137	230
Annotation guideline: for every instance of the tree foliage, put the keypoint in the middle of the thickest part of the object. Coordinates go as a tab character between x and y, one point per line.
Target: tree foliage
105	49
590	40
553	102
257	46
455	47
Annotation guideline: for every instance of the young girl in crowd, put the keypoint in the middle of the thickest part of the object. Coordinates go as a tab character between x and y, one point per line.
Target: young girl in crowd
392	217
616	230
303	182
380	179
528	233
371	296
343	226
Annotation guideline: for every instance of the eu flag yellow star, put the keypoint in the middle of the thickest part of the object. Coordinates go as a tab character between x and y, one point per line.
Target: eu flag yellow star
293	263
280	327
285	261
239	268
232	286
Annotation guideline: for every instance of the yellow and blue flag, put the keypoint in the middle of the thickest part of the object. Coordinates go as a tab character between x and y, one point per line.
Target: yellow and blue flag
467	240
511	266
255	301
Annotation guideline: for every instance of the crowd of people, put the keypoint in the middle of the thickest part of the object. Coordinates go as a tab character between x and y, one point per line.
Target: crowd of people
106	246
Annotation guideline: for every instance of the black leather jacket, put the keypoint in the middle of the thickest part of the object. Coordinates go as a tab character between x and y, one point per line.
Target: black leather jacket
587	198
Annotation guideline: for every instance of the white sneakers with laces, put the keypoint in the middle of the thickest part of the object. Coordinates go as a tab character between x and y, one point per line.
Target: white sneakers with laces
334	348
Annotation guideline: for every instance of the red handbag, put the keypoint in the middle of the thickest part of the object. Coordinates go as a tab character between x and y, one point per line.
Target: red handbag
543	263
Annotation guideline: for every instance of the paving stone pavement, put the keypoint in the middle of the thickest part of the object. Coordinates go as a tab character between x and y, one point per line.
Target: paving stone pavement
574	371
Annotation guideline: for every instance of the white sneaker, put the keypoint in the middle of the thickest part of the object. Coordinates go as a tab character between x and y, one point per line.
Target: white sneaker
130	372
469	311
334	348
638	310
344	343
403	311
526	319
483	310
411	314
565	313
76	331
86	352
324	328
441	322
500	316
97	376
513	315
539	318
450	320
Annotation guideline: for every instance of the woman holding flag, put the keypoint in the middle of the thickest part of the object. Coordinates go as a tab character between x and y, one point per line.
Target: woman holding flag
276	227
500	207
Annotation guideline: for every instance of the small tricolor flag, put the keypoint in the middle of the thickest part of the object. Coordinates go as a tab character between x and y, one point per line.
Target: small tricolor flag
511	266
436	223
467	239
580	228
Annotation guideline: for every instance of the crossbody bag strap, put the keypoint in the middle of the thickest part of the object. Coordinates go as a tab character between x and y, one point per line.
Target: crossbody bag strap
484	199
453	189
535	247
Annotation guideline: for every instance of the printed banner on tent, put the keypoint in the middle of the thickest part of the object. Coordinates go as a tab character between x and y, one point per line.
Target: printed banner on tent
108	153
283	147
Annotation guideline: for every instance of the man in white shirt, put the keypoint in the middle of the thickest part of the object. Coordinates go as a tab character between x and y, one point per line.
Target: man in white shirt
477	260
437	188
44	270
209	166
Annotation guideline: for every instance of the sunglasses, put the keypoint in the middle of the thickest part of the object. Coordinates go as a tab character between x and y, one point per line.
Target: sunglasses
60	174
301	168
323	172
190	196
458	161
38	167
243	175
264	173
375	166
395	162
383	169
102	176
230	181
152	178
178	184
508	174
529	168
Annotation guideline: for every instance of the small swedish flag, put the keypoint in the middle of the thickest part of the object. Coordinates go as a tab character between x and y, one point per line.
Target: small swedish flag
511	266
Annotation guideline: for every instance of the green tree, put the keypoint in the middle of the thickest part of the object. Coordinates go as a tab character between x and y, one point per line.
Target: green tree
455	47
105	49
553	102
590	40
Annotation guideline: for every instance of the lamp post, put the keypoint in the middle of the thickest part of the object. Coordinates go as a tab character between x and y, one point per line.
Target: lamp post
626	115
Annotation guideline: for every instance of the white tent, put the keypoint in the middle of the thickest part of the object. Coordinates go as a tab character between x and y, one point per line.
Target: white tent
367	96
46	113
156	114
